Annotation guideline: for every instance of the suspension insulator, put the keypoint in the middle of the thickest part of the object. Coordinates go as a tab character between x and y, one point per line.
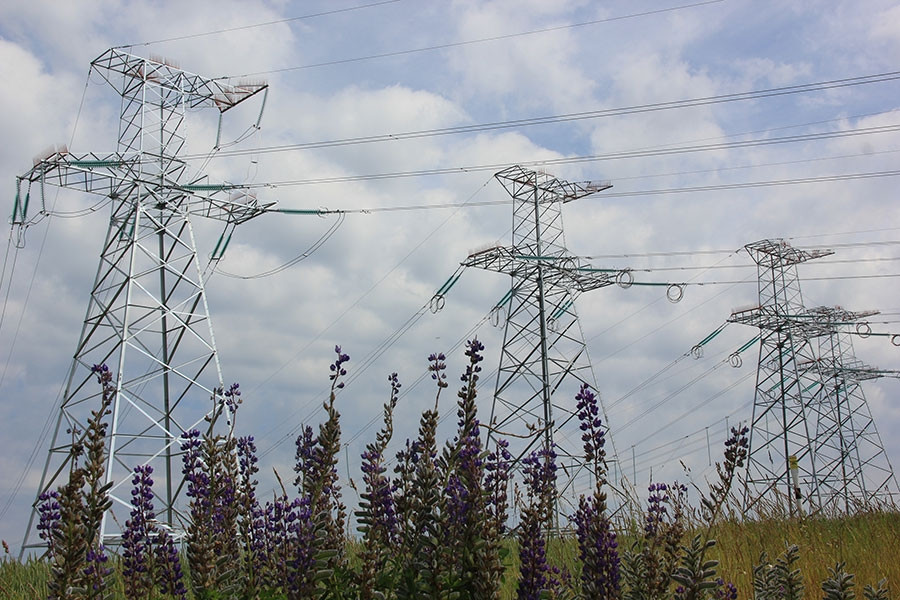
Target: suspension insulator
437	303
674	293
497	316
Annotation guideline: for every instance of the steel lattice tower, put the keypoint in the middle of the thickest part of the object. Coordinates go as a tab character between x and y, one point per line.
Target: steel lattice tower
853	466
147	318
543	344
808	405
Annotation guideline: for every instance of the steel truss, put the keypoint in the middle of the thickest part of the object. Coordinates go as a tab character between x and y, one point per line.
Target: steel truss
147	318
808	406
544	358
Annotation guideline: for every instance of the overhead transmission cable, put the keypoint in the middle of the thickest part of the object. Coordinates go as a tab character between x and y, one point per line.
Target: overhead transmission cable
264	24
633	193
620	155
780	163
669	253
302	256
576	116
693	410
495	38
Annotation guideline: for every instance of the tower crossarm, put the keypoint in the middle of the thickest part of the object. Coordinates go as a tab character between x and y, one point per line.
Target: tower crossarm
768	318
127	72
521	183
225	202
564	271
837	315
851	371
777	252
113	175
92	173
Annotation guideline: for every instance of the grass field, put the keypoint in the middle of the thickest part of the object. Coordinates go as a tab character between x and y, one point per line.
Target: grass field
868	543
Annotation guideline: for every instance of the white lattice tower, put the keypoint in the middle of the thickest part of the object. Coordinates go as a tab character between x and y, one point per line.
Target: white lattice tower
544	359
147	318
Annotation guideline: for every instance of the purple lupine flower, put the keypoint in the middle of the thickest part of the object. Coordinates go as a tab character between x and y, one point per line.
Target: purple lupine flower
597	549
379	494
539	470
95	572
170	575
591	426
302	528
656	508
247	464
379	509
473	351
192	461
457	502
49	519
437	367
726	590
136	537
533	578
337	370
308	457
232	399
104	375
498	467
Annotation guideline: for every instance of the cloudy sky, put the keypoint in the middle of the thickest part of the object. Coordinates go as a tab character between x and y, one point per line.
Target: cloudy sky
822	164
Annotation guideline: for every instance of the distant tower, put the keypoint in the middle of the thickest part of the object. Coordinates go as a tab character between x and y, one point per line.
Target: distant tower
544	359
854	469
809	414
147	318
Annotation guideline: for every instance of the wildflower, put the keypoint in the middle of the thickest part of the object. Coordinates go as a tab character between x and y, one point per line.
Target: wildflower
539	470
437	367
592	435
337	370
48	518
137	553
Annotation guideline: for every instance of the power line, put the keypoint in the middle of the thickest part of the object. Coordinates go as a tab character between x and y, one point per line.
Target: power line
623	155
576	116
730	251
265	24
495	38
755	184
649	192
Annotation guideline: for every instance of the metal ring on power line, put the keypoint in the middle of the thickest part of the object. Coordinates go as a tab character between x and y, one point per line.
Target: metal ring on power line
895	339
863	329
551	324
697	351
437	303
567	263
624	279
674	293
735	360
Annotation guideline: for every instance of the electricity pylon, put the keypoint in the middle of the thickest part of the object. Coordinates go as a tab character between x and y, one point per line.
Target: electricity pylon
809	414
147	318
543	344
854	468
